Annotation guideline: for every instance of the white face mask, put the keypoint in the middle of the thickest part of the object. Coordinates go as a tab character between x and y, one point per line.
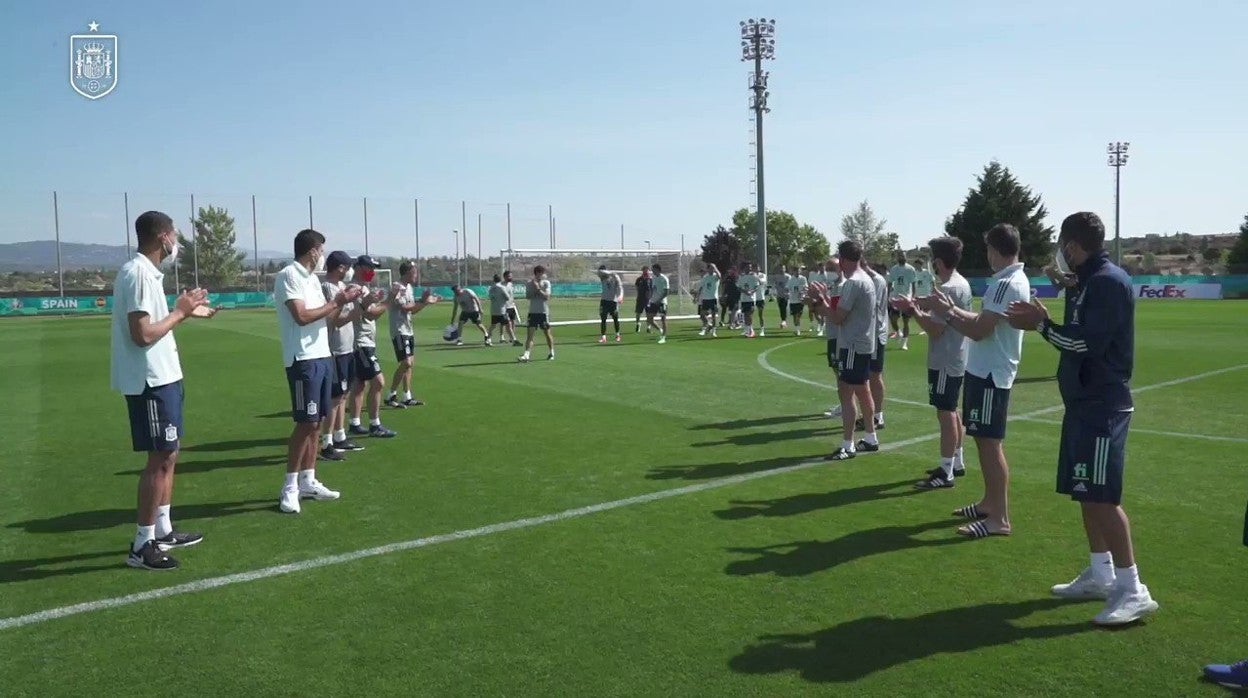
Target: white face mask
1059	260
320	262
349	275
171	251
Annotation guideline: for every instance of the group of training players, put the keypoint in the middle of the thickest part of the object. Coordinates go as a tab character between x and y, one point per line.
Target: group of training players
328	340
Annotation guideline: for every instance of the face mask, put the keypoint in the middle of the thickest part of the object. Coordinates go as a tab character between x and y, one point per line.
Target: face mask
1059	259
349	275
171	251
366	275
320	262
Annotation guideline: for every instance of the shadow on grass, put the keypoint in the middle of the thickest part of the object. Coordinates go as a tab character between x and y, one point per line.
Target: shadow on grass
711	471
761	422
38	568
99	519
810	556
809	502
185	468
238	445
858	648
758	438
1036	379
486	363
274	415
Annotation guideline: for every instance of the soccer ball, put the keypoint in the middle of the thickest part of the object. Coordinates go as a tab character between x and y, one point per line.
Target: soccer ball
450	333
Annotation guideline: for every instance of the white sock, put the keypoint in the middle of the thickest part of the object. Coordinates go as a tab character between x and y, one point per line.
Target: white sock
291	481
340	435
848	446
393	394
143	535
871	438
307	477
957	458
946	464
327	440
1103	567
879	417
1127	578
355	421
374	422
164	525
407	395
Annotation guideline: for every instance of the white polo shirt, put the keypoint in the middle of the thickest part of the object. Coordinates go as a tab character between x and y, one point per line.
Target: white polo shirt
310	341
999	352
139	288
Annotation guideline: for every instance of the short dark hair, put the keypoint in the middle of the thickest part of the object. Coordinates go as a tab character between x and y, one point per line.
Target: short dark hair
305	240
901	256
1084	229
406	266
602	267
539	269
150	226
1003	238
850	250
947	249
507	273
656	268
455	288
497	278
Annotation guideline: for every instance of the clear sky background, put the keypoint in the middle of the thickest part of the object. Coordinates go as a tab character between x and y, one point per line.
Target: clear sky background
616	113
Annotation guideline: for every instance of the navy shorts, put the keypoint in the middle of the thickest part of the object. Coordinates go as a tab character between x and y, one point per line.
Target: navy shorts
657	309
832	354
606	308
709	307
759	305
747	306
466	317
854	369
404	346
877	359
498	320
1092	455
156	418
344	373
366	365
512	315
640	306
310	381
943	390
795	309
984	407
539	321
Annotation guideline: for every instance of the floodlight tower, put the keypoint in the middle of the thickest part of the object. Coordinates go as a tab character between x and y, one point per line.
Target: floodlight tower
758	43
1117	160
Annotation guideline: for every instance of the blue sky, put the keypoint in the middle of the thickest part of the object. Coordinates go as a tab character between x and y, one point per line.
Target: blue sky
616	113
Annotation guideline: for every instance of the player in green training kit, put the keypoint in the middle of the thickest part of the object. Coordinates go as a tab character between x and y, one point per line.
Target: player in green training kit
901	283
924	282
708	300
500	297
794	296
658	302
469	306
749	284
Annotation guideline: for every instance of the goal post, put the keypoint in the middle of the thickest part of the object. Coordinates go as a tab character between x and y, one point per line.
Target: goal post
576	288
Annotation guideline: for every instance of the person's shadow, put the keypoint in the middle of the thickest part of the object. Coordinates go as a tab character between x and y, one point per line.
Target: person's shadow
711	471
859	648
805	557
806	503
37	568
99	519
760	422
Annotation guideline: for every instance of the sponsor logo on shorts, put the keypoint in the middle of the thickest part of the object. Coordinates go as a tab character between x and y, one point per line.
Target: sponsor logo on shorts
1081	471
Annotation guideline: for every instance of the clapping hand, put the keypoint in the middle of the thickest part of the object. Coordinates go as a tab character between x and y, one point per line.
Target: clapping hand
905	304
193	302
938	302
1026	316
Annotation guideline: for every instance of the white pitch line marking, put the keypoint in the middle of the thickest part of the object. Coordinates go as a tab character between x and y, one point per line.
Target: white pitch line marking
1155	432
329	560
762	361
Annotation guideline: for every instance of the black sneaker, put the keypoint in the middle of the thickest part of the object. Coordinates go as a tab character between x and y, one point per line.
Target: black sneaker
861	427
517	343
393	401
348	444
935	481
413	402
380	432
329	453
862	445
358	430
957	472
178	539
151	557
840	454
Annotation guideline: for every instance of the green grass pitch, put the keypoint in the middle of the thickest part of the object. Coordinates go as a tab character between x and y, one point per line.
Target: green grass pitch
755	579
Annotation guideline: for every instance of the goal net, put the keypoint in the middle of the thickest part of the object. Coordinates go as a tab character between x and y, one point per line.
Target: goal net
576	288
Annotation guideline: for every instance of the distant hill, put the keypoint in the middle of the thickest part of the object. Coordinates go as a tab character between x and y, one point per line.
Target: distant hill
40	255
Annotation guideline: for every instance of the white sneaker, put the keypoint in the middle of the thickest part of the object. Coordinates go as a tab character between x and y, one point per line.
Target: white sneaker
798	332
819	332
1085	586
713	333
1127	607
762	332
905	345
524	358
662	339
315	490
487	341
832	412
702	332
289	501
783	324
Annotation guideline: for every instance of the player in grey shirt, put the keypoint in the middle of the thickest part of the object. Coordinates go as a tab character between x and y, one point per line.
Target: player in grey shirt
876	379
366	369
469	306
500	300
609	304
832	280
946	361
854	314
334	439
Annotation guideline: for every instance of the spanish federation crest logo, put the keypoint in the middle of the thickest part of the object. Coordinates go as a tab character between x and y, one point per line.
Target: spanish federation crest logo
93	63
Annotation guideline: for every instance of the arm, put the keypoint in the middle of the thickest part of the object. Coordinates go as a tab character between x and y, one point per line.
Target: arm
303	316
976	326
340	320
1100	321
929	322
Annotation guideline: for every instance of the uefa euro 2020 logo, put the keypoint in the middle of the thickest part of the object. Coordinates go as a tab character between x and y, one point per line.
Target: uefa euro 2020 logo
93	62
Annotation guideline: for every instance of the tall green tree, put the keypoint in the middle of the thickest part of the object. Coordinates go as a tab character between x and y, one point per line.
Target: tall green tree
722	248
1239	253
998	197
864	226
788	241
213	250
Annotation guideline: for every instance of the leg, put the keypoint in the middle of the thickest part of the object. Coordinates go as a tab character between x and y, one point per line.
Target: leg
996	483
550	339
663	321
528	341
357	400
877	397
375	386
602	320
615	320
950	432
867	403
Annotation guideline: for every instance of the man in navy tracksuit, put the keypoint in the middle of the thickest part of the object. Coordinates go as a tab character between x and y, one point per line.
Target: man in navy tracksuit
1097	345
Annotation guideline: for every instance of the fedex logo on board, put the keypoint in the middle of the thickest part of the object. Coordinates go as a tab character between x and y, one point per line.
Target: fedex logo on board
1167	291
